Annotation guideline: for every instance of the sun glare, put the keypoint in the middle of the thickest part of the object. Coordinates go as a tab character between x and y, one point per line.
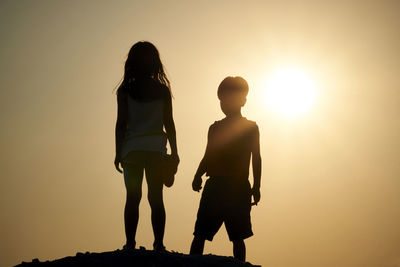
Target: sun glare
289	92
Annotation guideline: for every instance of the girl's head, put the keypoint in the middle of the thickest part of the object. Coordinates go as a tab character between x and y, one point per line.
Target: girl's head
144	61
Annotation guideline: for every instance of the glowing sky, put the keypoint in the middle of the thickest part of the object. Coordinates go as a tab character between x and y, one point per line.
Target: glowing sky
330	184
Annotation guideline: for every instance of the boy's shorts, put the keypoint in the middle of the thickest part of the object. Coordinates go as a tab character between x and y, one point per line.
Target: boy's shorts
224	201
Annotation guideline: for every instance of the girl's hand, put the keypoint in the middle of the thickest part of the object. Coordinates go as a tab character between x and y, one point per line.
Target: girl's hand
255	192
117	162
196	184
175	157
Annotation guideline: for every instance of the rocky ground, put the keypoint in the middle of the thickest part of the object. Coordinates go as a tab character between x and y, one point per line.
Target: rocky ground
141	258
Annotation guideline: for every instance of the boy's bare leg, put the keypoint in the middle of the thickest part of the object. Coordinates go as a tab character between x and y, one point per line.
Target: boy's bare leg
197	246
239	250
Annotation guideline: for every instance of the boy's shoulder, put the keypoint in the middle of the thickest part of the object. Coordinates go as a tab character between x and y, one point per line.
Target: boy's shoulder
250	123
242	123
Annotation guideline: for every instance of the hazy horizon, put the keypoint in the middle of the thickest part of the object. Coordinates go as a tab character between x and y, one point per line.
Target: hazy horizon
330	188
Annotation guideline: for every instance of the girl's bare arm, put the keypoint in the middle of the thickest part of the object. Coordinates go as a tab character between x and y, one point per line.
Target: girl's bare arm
170	126
120	127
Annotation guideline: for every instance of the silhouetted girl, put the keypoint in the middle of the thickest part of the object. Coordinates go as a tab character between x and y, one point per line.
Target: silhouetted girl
144	110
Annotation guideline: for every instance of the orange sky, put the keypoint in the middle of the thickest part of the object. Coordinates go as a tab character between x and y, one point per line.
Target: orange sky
330	184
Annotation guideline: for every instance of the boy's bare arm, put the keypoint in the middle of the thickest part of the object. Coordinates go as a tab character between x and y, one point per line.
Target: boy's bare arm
256	164
201	169
197	181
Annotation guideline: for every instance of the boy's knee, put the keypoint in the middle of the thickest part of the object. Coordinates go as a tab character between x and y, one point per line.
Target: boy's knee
238	242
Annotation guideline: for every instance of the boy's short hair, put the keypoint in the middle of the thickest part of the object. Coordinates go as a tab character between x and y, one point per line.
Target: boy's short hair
233	85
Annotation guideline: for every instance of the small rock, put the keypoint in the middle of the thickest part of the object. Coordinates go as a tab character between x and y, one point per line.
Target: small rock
142	248
36	260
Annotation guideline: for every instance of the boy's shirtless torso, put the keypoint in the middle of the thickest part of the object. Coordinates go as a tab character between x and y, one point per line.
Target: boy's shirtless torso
230	142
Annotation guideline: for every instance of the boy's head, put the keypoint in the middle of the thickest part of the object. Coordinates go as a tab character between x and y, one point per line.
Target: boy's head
232	93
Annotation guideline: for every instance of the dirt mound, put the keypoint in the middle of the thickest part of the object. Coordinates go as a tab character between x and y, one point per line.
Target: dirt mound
141	258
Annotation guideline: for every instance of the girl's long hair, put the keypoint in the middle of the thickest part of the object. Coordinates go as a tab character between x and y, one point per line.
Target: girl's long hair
144	61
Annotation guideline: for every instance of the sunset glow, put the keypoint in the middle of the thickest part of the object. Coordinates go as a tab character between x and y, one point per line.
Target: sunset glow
324	84
289	92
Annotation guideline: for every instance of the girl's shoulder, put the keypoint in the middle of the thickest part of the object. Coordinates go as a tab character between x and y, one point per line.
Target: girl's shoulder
165	90
145	90
161	91
122	91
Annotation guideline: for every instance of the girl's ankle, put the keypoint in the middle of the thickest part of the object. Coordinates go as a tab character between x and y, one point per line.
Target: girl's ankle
130	245
158	246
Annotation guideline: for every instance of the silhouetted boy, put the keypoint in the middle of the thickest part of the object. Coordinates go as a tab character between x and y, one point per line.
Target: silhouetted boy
226	197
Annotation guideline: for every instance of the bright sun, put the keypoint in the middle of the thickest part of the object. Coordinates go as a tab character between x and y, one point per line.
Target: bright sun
289	92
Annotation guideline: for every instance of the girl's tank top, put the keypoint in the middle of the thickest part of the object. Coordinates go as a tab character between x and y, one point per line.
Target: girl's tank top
145	127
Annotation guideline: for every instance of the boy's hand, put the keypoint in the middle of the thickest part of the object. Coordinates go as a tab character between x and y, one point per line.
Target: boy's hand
196	184
255	192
